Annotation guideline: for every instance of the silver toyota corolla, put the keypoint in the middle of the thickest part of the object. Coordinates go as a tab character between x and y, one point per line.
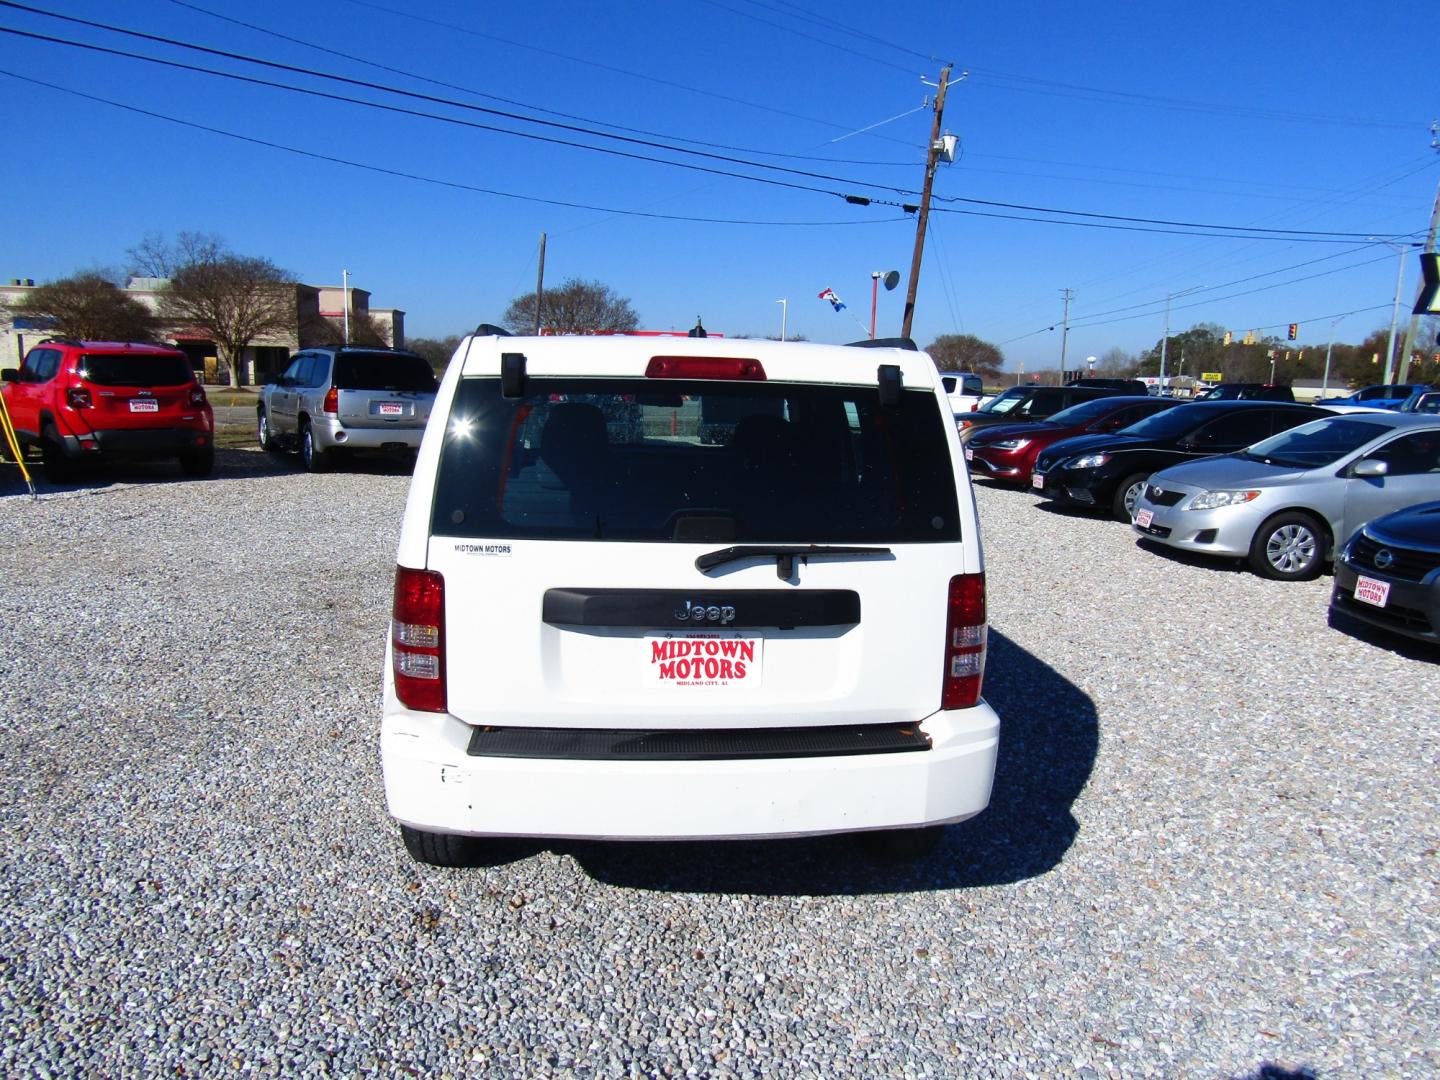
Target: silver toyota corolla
1283	502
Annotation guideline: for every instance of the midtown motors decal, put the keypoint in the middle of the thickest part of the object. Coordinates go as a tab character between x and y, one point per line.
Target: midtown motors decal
713	660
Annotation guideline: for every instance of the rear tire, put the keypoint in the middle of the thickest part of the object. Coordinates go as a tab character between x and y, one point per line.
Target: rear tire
1289	547
1127	494
263	433
314	459
198	463
441	849
903	845
59	469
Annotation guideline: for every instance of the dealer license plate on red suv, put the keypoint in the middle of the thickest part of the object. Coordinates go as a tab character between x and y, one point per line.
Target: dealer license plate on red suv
144	405
1370	591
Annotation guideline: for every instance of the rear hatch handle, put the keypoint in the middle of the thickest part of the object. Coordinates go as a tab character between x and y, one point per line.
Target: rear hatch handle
783	554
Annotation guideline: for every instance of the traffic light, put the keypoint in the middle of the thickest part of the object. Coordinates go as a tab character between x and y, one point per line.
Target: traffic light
1294	331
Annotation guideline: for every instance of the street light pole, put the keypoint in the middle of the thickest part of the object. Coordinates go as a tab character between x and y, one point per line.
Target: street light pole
1165	341
1395	317
1325	379
784	311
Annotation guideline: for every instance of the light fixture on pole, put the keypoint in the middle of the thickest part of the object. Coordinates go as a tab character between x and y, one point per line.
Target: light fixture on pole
1165	341
891	279
784	311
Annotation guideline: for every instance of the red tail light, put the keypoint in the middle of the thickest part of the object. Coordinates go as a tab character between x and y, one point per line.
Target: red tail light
705	367
332	401
197	397
965	637
417	639
78	397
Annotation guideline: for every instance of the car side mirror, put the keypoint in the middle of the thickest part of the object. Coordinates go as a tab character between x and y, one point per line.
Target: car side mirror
10	374
1369	468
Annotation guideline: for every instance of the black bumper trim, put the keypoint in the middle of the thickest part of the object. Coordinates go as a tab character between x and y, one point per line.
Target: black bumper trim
729	744
659	609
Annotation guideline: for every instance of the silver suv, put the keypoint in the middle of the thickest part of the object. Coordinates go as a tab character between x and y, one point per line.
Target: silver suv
343	398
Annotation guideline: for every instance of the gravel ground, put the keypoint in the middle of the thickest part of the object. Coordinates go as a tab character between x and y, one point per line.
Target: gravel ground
1211	851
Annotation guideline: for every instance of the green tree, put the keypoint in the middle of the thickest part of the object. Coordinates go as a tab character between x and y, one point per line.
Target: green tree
437	351
231	299
965	352
88	307
576	307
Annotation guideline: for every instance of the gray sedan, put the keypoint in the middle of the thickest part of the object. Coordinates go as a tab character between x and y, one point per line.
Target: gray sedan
1282	502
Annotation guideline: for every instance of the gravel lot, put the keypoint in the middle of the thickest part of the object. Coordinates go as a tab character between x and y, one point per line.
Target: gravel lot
1211	851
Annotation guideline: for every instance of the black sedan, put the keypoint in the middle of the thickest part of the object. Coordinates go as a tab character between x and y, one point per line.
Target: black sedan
1388	574
1108	472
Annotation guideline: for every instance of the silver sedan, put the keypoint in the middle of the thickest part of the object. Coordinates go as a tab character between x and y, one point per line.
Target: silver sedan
1283	502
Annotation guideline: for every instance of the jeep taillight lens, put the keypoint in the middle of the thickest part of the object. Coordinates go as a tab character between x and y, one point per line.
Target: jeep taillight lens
197	397
965	638
417	639
78	397
332	401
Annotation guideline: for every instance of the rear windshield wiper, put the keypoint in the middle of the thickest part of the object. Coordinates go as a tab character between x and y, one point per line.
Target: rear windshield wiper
783	554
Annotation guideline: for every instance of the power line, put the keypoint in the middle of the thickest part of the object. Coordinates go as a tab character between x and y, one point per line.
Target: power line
810	37
523	104
315	155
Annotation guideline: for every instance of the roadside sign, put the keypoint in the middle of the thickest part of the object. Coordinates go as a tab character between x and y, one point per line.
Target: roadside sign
1428	302
1211	376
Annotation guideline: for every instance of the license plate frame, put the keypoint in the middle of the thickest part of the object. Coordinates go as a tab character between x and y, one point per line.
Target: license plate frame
144	405
1143	518
389	408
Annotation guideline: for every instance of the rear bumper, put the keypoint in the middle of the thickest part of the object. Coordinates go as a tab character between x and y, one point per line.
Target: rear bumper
431	783
330	434
140	442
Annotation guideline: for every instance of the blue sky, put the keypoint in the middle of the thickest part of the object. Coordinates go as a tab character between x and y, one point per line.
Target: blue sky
1285	115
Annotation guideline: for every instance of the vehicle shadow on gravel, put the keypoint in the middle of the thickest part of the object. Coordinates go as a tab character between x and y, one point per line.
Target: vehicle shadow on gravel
1409	648
229	465
1049	735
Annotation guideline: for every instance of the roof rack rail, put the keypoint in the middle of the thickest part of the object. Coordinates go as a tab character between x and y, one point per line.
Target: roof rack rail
885	343
61	341
486	329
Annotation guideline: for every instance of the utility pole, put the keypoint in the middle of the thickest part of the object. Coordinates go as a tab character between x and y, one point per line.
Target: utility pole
1065	333
932	157
345	288
1414	327
1395	317
540	284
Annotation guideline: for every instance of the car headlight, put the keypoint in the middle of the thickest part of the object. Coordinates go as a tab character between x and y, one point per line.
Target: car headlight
1089	461
1011	444
1210	500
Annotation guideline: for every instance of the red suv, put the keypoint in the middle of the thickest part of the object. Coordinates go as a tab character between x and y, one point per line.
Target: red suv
85	401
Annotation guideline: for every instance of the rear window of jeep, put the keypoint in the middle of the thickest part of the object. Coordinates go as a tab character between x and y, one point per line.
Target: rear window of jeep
620	459
135	369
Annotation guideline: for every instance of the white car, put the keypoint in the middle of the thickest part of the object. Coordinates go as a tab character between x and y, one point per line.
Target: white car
607	626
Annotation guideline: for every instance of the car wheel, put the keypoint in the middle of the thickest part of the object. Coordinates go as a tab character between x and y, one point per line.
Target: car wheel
59	469
1288	547
314	459
263	432
1122	506
441	849
903	845
199	463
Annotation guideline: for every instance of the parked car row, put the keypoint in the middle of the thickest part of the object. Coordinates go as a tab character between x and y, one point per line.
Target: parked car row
1286	488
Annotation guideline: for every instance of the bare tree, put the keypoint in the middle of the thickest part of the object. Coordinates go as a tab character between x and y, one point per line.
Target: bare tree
436	350
965	352
231	299
576	307
89	307
365	329
157	257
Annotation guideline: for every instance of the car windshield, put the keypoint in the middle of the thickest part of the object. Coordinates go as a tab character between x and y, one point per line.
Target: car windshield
1006	401
383	371
135	369
1316	444
752	462
1169	423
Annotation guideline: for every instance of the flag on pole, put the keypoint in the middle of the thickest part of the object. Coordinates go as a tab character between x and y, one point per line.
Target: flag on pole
835	301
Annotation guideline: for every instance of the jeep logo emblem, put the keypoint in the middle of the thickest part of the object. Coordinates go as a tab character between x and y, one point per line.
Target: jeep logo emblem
693	612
